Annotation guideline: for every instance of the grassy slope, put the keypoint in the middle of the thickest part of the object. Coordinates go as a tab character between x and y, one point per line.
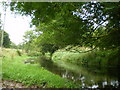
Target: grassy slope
13	68
92	58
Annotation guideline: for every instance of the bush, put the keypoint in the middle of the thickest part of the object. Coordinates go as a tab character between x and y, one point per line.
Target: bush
19	53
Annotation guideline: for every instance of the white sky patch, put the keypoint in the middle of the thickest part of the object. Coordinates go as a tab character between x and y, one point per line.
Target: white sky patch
15	25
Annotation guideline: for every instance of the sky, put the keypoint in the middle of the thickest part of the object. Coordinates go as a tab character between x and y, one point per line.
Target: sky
15	25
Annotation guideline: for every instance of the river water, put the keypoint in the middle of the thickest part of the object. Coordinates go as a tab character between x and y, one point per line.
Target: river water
85	76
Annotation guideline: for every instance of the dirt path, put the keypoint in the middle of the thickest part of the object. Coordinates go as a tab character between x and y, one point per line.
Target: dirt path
13	84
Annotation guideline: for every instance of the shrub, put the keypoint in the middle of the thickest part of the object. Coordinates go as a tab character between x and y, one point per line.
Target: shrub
19	53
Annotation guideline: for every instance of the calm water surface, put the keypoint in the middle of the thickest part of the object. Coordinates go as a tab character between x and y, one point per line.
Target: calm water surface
85	76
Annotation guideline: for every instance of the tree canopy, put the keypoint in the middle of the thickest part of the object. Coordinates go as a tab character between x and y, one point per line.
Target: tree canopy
86	24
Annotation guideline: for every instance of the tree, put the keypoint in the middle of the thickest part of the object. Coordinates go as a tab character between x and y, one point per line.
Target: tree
6	40
13	45
43	11
103	21
0	22
61	27
30	41
51	48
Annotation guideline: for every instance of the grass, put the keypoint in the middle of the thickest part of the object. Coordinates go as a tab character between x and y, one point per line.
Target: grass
94	58
13	68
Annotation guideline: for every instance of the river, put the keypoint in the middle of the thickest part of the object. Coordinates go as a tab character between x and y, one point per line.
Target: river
85	76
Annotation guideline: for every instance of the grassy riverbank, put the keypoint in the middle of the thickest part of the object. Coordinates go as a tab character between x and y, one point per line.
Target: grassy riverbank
95	58
13	68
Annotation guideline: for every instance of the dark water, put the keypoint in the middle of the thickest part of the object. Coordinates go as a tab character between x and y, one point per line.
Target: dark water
87	77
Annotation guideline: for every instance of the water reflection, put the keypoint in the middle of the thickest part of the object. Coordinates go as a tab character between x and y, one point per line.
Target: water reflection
87	77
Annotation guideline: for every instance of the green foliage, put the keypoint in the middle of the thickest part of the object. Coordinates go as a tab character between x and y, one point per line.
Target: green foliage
29	36
19	53
43	11
70	29
0	22
13	45
90	24
48	48
94	58
30	44
6	39
56	29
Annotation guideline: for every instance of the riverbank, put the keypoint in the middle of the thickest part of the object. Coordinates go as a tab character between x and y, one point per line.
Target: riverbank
22	70
94	58
14	68
12	84
87	77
